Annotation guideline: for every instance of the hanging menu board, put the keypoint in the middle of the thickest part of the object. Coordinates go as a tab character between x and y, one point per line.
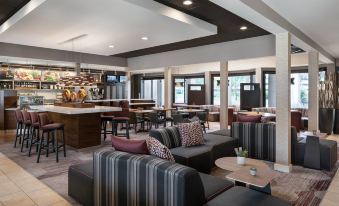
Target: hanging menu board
50	76
27	75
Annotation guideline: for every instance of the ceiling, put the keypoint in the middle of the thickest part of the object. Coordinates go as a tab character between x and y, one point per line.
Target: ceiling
317	19
101	23
10	7
228	27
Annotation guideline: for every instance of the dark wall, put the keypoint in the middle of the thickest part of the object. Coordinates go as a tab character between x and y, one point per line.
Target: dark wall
135	86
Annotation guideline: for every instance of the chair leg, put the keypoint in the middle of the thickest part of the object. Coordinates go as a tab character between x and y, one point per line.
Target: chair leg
56	146
40	147
47	145
127	130
63	142
16	134
31	142
24	137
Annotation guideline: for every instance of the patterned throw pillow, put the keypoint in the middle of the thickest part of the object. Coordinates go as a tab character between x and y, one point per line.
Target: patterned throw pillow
191	134
157	149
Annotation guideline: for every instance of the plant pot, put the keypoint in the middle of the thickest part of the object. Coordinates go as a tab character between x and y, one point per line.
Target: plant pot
326	120
241	160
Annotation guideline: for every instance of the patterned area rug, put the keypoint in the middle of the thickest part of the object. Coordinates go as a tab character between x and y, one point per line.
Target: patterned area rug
301	187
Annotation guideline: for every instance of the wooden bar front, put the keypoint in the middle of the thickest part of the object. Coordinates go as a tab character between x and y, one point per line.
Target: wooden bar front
81	130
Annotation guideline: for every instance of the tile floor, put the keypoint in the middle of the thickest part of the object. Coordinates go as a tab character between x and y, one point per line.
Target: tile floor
18	187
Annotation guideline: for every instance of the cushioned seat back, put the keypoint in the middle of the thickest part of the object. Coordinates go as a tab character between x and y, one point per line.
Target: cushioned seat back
169	136
259	139
123	179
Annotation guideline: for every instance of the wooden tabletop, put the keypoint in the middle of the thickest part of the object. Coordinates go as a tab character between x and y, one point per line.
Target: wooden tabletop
261	179
230	164
162	109
141	111
304	134
264	114
190	110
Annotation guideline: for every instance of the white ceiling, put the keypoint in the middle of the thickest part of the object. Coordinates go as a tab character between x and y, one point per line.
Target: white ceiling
319	19
105	22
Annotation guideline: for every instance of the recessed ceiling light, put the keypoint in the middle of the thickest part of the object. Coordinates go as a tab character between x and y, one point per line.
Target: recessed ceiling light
144	38
111	46
243	28
187	2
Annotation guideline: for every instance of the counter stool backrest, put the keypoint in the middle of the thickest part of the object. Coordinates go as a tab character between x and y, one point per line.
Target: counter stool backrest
18	116
34	117
44	119
26	116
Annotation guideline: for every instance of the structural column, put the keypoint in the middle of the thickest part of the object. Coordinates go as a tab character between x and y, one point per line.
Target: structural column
258	79
128	88
283	99
168	87
223	94
313	94
208	89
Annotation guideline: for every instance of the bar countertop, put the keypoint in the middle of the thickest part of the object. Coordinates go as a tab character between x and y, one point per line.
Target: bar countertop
112	100
68	110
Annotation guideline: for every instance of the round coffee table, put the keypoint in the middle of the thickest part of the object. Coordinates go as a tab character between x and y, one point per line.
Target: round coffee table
230	164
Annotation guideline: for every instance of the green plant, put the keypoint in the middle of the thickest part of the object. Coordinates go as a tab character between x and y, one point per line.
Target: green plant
240	152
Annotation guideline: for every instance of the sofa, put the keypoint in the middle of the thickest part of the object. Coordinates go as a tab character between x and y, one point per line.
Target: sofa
201	157
259	140
116	178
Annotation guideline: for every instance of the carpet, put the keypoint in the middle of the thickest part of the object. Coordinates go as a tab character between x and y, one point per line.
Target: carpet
301	187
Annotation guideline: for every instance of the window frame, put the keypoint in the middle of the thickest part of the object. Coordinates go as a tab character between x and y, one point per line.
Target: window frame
185	77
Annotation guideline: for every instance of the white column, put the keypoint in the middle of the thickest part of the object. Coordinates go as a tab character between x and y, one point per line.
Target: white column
128	87
258	79
223	94
313	94
208	89
168	87
283	99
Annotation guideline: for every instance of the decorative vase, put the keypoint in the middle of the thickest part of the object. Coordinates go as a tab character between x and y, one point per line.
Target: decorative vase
241	160
253	171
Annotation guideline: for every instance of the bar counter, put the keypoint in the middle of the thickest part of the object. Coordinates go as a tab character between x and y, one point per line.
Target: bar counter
82	125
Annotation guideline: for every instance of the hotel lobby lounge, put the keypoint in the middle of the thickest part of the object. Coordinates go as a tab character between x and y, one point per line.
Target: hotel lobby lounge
169	102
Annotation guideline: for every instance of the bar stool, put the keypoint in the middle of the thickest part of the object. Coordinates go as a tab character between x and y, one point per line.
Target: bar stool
35	126
19	126
116	121
104	120
27	128
49	127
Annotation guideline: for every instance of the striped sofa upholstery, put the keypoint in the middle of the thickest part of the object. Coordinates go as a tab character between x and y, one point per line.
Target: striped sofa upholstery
123	179
257	138
169	136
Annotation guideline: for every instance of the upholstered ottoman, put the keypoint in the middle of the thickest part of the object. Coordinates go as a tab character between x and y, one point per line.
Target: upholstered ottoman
81	183
328	154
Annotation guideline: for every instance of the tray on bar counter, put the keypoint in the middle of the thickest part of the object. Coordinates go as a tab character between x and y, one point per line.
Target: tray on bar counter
75	105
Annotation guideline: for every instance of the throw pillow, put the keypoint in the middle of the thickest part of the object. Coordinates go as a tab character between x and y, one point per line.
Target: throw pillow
191	134
130	146
249	118
157	149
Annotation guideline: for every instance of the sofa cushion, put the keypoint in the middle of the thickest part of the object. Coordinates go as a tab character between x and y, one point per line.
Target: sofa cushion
157	149
197	157
191	134
132	146
249	118
169	136
242	196
223	146
328	154
213	186
125	179
81	183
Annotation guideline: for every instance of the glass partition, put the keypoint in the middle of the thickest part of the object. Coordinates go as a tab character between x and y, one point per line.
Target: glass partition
153	89
181	87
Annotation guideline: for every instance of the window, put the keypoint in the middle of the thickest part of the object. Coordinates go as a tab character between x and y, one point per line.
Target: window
181	87
299	88
234	81
153	89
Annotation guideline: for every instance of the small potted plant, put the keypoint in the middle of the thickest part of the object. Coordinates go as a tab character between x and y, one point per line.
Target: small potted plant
241	155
